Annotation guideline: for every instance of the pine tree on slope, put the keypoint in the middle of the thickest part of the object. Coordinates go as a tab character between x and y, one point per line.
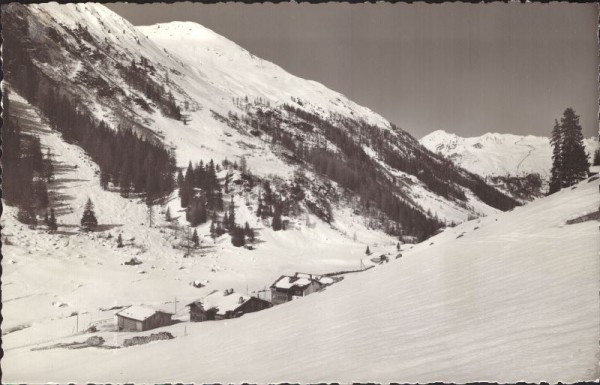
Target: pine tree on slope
231	214
238	238
575	164
556	171
195	238
277	223
52	225
88	220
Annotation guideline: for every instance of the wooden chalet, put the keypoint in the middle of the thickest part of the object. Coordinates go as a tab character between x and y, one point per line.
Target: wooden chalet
287	288
141	318
226	304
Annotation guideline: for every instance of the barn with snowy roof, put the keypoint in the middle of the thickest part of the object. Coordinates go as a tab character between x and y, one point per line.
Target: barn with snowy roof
226	304
141	318
287	288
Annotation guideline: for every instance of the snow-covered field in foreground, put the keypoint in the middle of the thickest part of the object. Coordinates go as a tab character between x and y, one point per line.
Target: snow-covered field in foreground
510	297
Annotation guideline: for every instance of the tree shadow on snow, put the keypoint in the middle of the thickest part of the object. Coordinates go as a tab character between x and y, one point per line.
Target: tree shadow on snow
63	232
105	227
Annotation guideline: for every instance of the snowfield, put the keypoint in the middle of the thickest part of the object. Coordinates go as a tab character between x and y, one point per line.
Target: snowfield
510	297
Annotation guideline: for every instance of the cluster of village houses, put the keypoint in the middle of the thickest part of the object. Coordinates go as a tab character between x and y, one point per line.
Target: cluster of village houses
226	304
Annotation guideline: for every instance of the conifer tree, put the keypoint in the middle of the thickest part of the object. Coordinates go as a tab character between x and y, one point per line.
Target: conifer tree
41	194
238	238
187	190
150	211
277	223
260	210
248	231
219	201
179	180
225	221
168	215
119	241
104	179
557	169
195	239
368	251
231	214
88	220
268	194
52	224
243	165
575	164
196	212
569	160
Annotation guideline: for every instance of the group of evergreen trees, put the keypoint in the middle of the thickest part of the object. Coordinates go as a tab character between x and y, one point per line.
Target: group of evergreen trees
127	160
136	76
570	163
354	171
201	195
26	171
269	205
200	192
239	235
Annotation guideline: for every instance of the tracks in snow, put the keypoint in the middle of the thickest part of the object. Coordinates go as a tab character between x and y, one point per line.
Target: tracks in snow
532	149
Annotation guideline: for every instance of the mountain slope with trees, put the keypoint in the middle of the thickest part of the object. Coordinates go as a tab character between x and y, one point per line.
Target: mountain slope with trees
144	101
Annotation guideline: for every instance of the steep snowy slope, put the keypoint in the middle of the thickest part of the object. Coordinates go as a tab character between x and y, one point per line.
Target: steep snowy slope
235	104
239	73
496	154
503	298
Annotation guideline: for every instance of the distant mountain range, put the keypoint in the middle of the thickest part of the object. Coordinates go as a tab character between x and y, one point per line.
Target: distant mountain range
501	157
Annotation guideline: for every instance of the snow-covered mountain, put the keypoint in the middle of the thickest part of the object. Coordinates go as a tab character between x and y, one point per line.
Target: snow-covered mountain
523	309
236	105
500	156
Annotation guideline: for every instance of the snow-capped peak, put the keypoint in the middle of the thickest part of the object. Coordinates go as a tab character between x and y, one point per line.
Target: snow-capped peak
438	134
497	154
188	31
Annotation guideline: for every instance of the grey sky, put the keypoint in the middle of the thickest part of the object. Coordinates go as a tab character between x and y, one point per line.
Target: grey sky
464	68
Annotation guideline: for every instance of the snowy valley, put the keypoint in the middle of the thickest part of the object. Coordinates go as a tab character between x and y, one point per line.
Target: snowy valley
231	174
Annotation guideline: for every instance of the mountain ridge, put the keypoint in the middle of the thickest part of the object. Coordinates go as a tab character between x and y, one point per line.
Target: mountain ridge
457	147
238	106
519	165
